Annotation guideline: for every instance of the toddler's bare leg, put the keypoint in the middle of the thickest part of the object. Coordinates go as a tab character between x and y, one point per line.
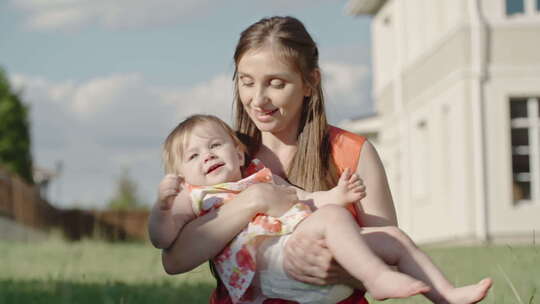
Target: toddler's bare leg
396	248
342	236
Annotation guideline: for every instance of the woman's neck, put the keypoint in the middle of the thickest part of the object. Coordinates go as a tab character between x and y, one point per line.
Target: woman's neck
277	151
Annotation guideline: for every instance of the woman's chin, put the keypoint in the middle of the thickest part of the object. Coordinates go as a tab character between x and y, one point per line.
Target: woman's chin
270	126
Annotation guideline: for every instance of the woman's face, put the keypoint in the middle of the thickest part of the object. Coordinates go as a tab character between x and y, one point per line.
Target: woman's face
271	91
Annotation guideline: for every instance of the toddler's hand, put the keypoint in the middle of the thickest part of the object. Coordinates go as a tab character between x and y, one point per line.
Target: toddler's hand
169	187
350	188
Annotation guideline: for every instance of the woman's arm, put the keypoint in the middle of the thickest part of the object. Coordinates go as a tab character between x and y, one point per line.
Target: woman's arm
377	208
204	237
311	262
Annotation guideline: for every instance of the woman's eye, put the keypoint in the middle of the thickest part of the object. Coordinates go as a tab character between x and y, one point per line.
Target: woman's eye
276	83
193	156
246	82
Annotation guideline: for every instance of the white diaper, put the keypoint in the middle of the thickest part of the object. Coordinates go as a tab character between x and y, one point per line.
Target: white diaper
275	283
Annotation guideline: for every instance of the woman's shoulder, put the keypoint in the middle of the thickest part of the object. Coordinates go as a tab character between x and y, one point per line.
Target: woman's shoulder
340	138
345	146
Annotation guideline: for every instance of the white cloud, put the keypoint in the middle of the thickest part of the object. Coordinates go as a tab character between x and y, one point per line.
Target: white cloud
68	15
341	78
97	127
97	94
115	14
346	88
211	97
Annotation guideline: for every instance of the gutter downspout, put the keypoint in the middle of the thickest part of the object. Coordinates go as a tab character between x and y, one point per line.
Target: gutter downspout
479	50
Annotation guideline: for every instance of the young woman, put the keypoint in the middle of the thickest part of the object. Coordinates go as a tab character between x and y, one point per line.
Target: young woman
280	117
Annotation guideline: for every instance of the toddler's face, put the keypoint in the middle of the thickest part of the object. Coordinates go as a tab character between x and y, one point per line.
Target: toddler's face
210	156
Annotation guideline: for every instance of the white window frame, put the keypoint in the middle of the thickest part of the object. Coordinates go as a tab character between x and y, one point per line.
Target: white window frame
532	123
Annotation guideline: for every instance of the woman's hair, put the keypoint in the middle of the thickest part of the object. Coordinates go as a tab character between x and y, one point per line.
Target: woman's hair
311	169
173	147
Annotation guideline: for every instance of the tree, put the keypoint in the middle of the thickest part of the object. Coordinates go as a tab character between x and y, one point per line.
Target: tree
126	196
15	153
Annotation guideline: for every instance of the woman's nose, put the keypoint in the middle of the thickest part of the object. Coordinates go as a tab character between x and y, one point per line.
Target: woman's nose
259	98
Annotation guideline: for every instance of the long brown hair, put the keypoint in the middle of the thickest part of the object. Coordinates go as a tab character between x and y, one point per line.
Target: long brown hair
311	168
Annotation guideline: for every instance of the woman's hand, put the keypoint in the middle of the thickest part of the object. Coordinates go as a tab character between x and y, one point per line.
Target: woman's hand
310	261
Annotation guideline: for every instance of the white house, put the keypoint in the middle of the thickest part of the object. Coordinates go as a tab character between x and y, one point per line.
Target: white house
457	90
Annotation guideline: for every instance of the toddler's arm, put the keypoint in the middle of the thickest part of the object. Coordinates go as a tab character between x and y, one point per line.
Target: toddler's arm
350	189
170	213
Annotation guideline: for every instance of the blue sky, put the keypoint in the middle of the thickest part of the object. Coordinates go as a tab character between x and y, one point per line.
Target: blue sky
106	80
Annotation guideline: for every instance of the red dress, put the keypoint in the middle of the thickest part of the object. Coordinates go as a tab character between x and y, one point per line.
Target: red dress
346	148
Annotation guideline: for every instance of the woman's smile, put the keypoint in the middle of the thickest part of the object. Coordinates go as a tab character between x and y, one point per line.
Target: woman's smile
265	116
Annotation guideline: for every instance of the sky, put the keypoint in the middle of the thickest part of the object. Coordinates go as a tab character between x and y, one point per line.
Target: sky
106	80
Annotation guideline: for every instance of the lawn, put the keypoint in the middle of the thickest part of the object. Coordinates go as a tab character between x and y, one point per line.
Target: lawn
55	271
60	272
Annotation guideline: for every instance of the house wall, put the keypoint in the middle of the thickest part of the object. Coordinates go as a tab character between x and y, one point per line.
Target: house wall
422	91
514	71
426	87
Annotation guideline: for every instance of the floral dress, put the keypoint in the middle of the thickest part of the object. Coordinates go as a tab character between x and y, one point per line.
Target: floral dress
236	263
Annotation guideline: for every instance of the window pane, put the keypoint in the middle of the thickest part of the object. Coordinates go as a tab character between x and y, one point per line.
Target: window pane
522	191
520	164
521	175
538	5
518	107
520	137
514	7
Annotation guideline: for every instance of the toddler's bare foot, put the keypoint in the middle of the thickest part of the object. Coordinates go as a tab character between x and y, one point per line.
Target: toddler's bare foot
469	294
393	284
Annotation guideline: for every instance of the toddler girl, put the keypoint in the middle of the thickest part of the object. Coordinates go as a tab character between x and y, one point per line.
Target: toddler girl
204	159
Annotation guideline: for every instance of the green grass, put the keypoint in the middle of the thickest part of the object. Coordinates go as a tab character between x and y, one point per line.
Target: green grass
55	271
519	265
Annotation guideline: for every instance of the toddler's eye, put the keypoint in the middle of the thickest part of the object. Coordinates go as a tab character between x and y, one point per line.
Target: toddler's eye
215	145
193	156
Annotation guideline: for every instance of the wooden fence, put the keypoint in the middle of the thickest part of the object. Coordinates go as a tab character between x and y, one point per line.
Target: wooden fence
22	203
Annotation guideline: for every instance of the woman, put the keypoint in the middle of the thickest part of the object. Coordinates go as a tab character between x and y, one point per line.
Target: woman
280	116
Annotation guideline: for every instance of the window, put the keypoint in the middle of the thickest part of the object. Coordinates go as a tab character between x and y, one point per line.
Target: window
525	137
522	8
515	7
